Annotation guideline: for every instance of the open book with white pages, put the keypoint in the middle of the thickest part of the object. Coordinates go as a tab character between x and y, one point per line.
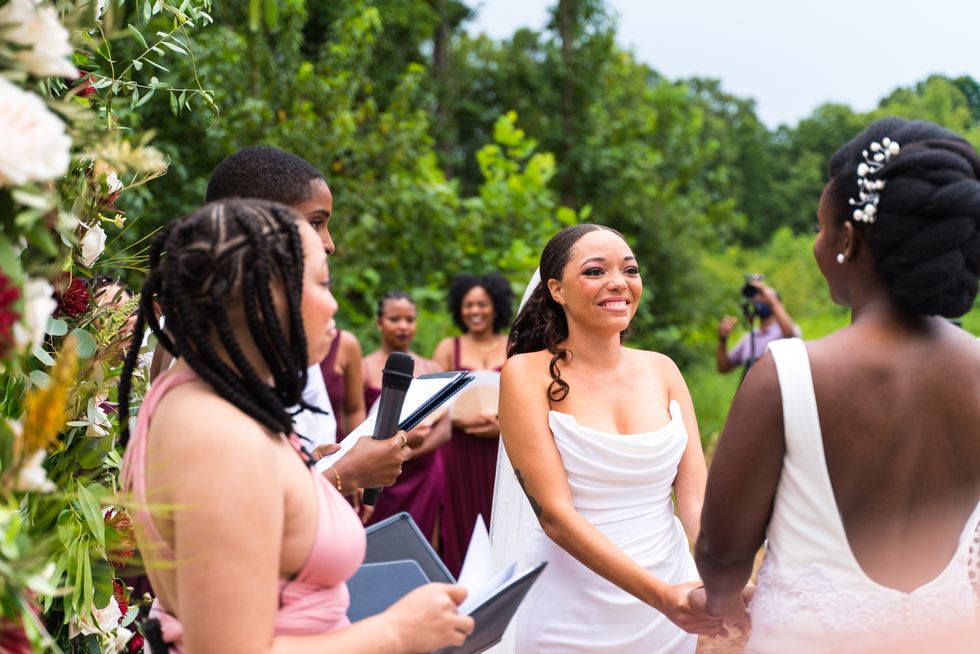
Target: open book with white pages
493	597
425	394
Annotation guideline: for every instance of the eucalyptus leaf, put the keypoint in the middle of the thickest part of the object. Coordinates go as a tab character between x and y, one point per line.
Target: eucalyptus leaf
43	356
84	342
40	379
56	327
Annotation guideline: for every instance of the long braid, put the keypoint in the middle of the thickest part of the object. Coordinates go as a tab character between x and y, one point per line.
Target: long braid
229	250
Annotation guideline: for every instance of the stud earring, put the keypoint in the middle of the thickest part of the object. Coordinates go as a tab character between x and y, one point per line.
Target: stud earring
840	258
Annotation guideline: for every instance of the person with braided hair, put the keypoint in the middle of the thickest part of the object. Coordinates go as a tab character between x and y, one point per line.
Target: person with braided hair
600	437
856	457
264	172
247	547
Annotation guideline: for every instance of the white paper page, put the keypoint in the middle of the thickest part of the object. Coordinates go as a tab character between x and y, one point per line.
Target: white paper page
419	392
478	562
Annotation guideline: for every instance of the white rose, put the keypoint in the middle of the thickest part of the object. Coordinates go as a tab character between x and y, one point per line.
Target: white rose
38	27
106	621
33	477
93	245
39	304
117	643
35	146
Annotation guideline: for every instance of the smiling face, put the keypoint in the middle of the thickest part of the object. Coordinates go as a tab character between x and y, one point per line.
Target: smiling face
317	210
476	308
600	286
397	324
317	304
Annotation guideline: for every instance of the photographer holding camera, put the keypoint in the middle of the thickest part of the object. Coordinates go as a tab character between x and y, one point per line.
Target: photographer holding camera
763	302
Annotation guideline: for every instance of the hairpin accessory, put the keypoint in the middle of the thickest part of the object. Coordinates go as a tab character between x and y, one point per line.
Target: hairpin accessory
869	188
840	258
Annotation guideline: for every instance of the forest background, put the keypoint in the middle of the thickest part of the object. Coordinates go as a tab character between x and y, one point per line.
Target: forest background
451	152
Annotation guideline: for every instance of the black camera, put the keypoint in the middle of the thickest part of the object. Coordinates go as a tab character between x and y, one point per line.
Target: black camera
748	290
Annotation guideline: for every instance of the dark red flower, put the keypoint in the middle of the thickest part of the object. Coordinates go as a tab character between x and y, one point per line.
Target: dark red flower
84	84
122	543
8	317
13	640
121	596
135	644
72	296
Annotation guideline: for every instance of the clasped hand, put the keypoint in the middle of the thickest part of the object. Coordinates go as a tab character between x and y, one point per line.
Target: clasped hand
733	614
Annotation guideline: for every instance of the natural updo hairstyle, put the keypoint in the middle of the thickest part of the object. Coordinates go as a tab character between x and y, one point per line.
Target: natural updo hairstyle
926	237
496	286
541	323
224	254
392	295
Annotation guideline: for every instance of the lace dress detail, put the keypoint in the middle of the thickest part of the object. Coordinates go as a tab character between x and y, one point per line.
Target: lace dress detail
812	595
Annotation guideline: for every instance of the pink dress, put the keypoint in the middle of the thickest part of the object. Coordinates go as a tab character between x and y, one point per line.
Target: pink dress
471	467
316	599
420	486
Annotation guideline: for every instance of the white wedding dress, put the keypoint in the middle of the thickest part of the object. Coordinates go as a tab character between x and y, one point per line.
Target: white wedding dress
812	595
621	484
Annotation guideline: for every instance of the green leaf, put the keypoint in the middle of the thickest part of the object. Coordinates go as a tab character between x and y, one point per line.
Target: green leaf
173	104
84	342
102	575
137	64
254	13
136	34
10	262
56	327
42	356
272	13
93	515
174	47
134	98
145	98
40	378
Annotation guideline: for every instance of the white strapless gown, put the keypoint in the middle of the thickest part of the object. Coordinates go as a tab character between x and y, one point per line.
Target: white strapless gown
622	485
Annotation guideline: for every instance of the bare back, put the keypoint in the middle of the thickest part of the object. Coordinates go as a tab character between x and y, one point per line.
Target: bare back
900	417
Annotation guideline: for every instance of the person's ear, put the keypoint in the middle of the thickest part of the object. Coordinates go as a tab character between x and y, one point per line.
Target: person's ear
554	287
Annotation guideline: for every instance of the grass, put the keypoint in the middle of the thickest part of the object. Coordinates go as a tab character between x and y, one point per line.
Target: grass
712	391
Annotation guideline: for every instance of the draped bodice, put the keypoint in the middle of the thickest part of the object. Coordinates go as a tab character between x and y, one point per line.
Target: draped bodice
643	466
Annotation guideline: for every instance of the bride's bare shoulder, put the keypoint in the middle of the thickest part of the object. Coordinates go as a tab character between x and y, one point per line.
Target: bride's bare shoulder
528	366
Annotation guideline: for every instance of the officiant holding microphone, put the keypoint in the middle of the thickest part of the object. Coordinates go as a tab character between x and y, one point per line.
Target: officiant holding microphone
420	485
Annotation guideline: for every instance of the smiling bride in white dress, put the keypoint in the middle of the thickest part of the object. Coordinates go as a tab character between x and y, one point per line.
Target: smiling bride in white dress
600	436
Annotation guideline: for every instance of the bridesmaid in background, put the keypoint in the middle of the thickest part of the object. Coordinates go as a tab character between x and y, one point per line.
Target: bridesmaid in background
420	485
342	374
481	307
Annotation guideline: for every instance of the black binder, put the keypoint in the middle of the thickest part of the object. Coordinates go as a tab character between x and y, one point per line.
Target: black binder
376	586
398	538
493	616
454	383
399	559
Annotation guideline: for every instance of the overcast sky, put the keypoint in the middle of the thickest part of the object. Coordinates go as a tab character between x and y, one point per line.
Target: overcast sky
789	55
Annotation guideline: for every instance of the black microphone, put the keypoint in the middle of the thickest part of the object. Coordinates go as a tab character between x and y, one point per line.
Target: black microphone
395	379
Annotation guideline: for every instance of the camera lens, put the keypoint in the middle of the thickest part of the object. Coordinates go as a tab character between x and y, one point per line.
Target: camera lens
749	290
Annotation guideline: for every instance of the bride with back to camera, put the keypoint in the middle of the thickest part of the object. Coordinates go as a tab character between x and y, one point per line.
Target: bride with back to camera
600	436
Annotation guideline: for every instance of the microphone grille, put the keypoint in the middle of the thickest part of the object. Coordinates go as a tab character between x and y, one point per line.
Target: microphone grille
398	370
